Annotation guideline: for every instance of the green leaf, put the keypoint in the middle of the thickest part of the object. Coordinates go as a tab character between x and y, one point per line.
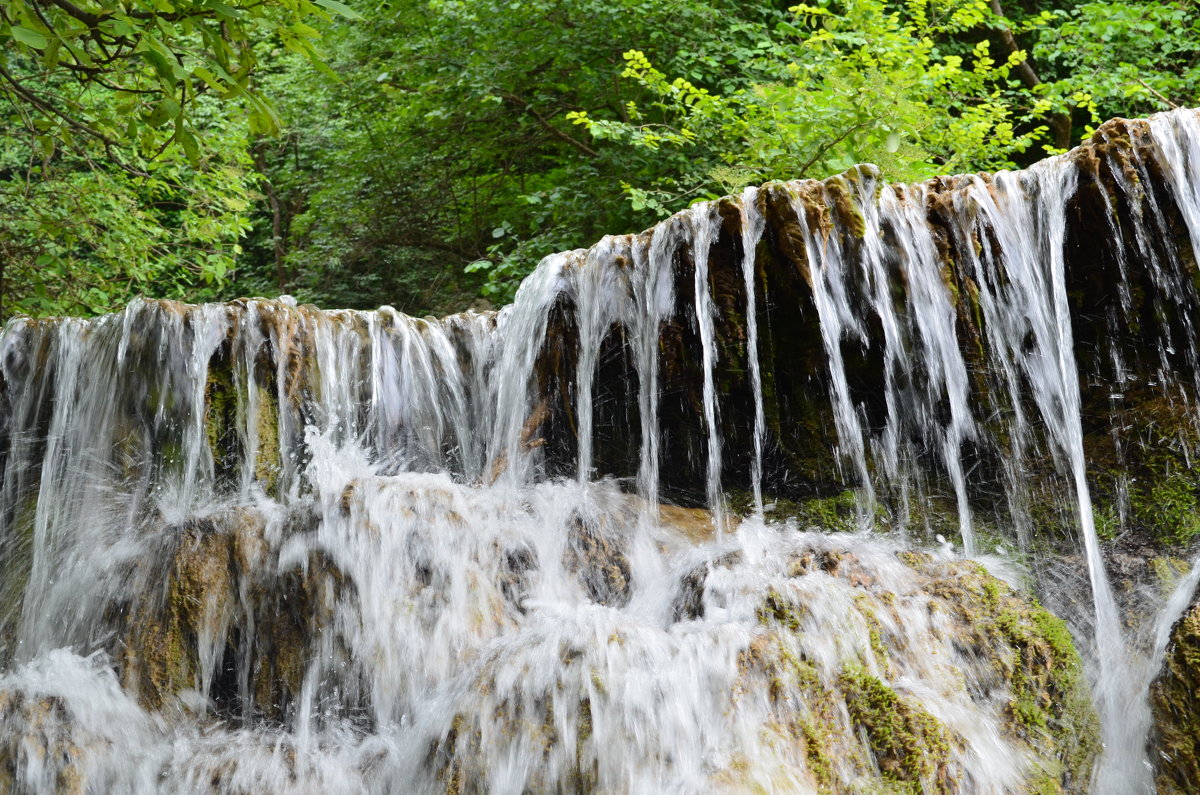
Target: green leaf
339	8
208	77
50	55
190	146
30	37
223	9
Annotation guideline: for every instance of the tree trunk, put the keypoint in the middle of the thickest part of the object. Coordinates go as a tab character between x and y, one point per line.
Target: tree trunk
1060	123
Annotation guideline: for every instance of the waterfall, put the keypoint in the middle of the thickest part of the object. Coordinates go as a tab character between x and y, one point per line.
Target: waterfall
752	228
764	498
703	221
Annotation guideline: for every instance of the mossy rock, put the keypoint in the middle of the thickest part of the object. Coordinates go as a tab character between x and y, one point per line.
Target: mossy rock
161	656
856	722
910	746
1148	486
1175	703
225	596
598	561
1050	707
227	416
836	513
43	749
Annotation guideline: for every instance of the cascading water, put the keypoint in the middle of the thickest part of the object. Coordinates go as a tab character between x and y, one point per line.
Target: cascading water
752	228
259	547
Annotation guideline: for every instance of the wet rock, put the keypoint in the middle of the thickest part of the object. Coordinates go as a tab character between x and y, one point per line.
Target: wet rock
186	621
858	717
598	561
1175	703
40	751
227	624
516	566
688	603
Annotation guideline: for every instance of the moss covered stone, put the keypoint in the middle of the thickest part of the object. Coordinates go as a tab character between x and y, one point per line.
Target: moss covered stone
855	722
1175	702
267	462
226	617
1049	704
909	744
836	513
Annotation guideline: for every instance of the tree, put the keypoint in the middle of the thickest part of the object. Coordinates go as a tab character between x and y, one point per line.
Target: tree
447	141
490	134
126	169
462	141
154	58
918	87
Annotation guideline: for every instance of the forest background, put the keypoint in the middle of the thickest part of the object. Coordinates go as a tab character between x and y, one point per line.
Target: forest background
427	153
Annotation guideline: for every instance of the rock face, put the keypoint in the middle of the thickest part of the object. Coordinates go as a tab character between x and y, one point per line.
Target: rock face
843	323
1175	739
589	542
1035	674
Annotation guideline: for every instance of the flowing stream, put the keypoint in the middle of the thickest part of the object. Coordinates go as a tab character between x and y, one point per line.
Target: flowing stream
257	547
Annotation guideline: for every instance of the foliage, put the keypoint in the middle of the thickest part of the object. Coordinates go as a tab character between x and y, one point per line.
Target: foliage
918	88
482	107
458	142
126	167
80	235
446	142
154	58
1130	58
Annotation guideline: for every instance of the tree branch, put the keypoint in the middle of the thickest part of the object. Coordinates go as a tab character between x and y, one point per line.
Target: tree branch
45	107
1151	89
550	128
86	17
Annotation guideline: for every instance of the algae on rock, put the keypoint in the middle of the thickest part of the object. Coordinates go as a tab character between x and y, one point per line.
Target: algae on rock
1175	702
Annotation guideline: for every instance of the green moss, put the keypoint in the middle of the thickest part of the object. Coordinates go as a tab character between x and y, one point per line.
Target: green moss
992	590
834	514
874	629
777	609
909	744
1146	485
816	752
583	776
914	560
1036	673
849	216
1176	707
1108	521
220	421
267	464
1167	572
1045	782
1049	706
806	711
1169	506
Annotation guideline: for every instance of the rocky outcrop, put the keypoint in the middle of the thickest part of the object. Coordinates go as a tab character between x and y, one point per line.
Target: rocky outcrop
228	630
1130	287
877	712
1175	700
1036	677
